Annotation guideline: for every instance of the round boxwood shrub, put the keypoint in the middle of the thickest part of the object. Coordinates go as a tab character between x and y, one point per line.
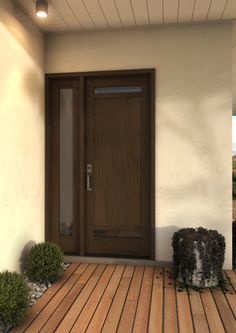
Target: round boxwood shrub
198	257
44	263
14	298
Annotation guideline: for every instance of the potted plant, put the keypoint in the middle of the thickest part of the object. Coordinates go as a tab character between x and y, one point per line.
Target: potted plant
198	257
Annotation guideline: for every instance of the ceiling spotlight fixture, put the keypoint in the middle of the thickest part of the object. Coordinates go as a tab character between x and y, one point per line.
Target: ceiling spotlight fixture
41	8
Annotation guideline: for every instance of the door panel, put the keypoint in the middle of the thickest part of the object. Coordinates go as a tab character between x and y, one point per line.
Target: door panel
118	148
116	164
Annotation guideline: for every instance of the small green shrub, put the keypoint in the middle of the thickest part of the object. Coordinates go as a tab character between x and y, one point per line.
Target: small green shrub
44	263
14	298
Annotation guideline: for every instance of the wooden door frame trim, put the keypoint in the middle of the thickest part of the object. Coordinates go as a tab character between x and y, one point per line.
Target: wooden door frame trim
81	76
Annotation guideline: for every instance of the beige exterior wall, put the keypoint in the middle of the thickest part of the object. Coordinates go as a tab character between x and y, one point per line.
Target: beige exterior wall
21	134
234	67
193	115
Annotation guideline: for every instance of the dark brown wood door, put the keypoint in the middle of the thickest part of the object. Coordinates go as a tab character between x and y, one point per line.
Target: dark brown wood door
100	163
118	166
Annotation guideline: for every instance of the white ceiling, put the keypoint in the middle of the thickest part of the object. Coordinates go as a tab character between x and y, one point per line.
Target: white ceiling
66	15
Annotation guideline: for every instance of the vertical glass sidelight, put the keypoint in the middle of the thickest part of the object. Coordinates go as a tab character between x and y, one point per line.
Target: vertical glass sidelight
66	162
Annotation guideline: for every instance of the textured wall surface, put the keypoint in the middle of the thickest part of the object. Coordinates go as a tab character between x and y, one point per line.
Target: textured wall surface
193	115
21	134
234	67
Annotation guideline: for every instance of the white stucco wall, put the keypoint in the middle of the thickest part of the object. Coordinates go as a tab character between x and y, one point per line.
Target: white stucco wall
193	115
21	134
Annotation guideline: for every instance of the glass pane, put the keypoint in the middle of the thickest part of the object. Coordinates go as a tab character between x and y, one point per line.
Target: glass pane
66	162
117	90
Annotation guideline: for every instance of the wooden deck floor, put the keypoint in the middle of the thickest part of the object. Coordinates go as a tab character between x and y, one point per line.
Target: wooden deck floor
108	298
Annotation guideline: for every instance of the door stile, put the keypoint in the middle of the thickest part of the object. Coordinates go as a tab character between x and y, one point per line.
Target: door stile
55	165
80	198
76	163
146	183
89	159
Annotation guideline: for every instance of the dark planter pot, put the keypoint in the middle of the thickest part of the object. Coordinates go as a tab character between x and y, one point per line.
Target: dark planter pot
198	257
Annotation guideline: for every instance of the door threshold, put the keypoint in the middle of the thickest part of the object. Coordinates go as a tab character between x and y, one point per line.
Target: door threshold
116	261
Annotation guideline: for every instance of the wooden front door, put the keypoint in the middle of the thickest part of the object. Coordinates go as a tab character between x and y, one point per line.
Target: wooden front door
99	175
118	167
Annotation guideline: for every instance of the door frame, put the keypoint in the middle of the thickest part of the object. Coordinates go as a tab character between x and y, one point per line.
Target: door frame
78	84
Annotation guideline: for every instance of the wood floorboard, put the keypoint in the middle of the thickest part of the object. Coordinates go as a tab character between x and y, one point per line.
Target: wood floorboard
232	277
199	317
212	314
50	308
43	301
101	312
184	311
73	313
113	317
225	311
129	310
68	300
144	303
95	298
230	295
85	316
170	306
156	312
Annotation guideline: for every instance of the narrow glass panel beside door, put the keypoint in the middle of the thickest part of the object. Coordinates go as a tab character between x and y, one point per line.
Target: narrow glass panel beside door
66	162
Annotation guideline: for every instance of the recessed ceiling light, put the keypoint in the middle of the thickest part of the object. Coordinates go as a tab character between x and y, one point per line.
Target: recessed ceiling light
41	8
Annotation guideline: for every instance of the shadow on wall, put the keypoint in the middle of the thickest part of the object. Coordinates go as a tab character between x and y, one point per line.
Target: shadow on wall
30	84
164	250
163	243
198	148
24	252
193	166
22	29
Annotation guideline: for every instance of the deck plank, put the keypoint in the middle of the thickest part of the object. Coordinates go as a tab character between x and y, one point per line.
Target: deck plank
198	313
44	300
113	317
45	314
212	314
170	306
230	295
225	311
232	277
71	316
184	312
101	312
95	298
128	314
85	316
68	300
144	302
156	312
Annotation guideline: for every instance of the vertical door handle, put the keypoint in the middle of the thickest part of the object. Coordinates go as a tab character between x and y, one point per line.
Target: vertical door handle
89	176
